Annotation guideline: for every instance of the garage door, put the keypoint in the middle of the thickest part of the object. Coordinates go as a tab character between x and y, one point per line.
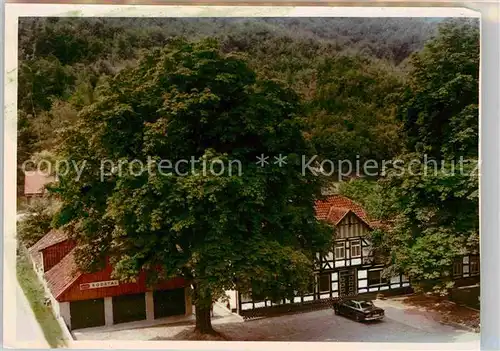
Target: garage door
87	313
129	308
169	303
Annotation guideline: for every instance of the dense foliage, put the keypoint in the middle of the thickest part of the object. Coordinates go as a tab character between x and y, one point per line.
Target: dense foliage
433	205
64	61
220	230
36	222
344	89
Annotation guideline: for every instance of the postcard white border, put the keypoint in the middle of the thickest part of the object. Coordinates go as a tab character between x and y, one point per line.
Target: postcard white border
489	132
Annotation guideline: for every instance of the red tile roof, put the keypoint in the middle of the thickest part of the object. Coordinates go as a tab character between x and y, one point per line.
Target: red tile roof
60	277
54	236
63	275
334	207
336	214
34	182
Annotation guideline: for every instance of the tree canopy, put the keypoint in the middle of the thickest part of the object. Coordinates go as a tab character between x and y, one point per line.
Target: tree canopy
219	230
433	206
227	89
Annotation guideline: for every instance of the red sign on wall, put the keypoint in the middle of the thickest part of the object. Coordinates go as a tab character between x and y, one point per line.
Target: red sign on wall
96	285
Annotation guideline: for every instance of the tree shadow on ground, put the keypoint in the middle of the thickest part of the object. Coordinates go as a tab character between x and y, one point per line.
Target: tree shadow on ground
445	311
192	335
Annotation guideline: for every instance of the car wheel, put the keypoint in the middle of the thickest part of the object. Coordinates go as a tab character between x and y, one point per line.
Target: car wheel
336	311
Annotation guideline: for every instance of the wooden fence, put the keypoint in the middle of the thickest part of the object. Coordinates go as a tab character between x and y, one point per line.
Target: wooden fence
300	307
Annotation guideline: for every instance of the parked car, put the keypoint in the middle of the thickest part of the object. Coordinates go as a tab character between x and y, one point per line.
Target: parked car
358	310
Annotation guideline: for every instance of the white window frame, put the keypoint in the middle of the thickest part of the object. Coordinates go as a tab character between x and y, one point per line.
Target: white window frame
339	245
358	245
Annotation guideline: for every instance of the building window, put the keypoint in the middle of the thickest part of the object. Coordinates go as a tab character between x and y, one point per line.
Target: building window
339	250
375	278
356	248
458	267
474	264
324	282
246	297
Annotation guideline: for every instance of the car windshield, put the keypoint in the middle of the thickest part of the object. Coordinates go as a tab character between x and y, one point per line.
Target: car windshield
366	304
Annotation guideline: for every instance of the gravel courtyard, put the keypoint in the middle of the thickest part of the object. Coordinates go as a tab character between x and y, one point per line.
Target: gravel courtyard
400	325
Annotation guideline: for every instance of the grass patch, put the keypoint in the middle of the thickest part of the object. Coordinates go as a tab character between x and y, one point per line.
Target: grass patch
35	293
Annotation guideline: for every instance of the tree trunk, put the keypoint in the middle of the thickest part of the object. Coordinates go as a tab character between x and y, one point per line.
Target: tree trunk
203	309
203	319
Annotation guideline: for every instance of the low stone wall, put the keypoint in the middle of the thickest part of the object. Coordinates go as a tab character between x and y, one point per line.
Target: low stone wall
275	310
313	305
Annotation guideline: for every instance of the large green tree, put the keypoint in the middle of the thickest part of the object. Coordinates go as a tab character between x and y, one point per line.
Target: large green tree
440	105
430	192
221	229
435	219
352	111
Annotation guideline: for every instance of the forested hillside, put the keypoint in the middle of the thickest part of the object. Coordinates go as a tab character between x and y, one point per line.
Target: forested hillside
367	89
346	70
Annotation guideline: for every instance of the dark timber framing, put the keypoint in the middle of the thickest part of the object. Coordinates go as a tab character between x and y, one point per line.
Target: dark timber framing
348	268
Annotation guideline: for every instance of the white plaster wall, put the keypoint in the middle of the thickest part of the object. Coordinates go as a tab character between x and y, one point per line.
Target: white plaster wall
232	298
395	280
108	311
246	306
65	313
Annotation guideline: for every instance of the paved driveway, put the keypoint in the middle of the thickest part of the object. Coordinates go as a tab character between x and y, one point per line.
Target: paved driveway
400	325
324	325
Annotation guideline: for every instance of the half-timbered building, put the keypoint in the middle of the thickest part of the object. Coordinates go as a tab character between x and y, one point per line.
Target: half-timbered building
350	268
